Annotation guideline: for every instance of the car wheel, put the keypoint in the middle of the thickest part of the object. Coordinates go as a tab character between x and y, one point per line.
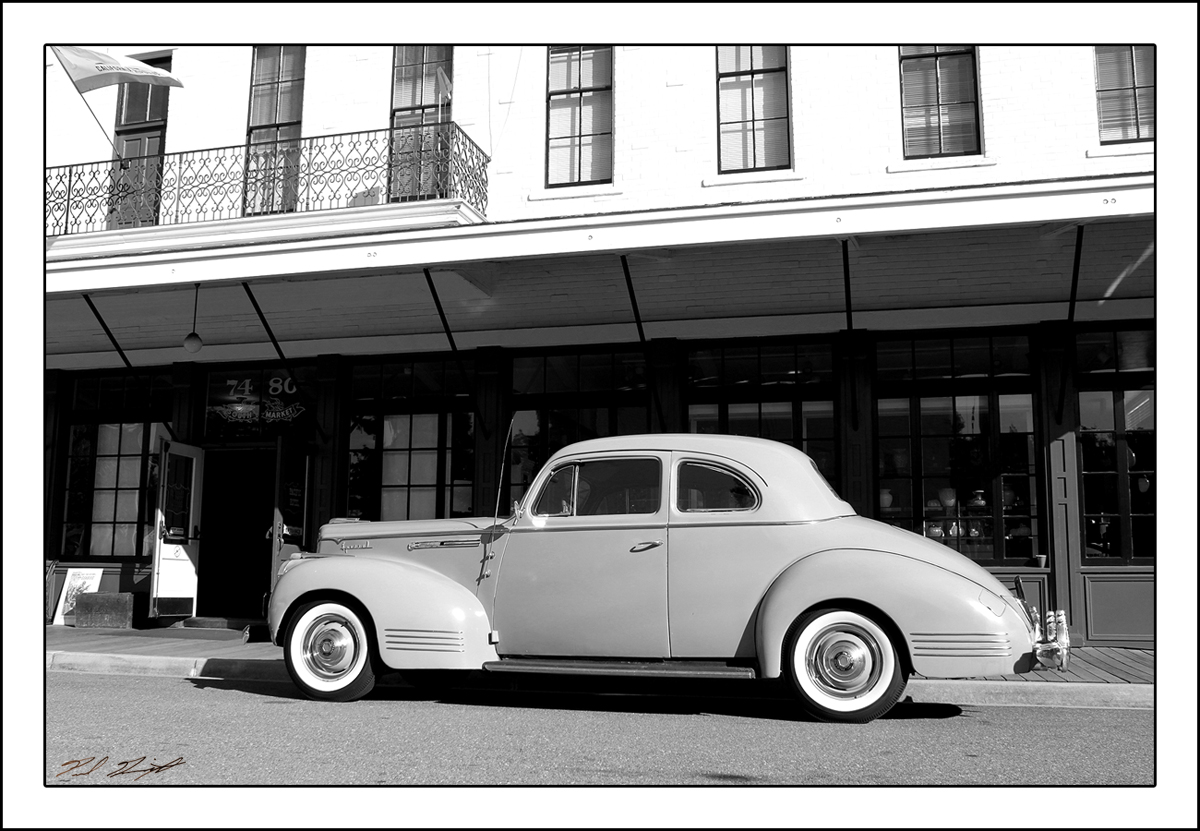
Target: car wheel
328	654
843	666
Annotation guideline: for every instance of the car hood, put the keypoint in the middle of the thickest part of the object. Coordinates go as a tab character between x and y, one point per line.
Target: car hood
871	534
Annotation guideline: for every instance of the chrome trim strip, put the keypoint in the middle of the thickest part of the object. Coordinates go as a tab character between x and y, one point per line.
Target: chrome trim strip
427	544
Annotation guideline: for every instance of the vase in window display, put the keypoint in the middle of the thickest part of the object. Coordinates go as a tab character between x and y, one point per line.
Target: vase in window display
947	497
1009	496
978	501
885	498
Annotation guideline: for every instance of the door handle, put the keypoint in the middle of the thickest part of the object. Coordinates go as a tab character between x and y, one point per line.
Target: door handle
645	546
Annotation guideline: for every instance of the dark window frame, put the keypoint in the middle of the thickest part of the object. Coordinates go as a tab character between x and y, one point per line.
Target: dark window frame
580	91
937	55
786	118
1005	552
1115	382
388	396
1133	90
288	147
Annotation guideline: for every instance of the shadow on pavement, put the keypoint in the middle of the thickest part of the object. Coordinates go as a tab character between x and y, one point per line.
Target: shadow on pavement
742	699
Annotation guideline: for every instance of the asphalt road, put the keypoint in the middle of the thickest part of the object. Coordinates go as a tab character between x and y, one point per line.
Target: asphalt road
253	733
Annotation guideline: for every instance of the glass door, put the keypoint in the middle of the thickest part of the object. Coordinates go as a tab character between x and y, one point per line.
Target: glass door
177	540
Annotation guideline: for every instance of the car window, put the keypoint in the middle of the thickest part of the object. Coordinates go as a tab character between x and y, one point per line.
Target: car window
708	488
611	486
558	496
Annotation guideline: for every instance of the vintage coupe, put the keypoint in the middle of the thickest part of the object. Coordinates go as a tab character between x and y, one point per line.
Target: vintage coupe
670	555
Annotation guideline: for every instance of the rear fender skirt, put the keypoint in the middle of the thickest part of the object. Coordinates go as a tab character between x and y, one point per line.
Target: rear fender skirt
949	629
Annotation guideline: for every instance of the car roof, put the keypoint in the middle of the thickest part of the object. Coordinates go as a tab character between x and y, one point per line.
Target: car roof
795	489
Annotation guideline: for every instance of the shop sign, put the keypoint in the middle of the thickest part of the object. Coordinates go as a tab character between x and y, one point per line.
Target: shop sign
259	403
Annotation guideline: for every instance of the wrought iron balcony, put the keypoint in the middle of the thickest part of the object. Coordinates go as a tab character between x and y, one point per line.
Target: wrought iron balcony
433	161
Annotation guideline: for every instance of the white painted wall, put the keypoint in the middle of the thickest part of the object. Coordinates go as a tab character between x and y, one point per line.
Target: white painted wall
1038	121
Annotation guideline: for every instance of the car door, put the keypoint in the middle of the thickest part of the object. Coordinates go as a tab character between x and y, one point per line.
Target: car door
584	572
723	556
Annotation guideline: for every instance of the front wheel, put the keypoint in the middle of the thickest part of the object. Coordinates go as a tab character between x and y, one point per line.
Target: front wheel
843	666
328	654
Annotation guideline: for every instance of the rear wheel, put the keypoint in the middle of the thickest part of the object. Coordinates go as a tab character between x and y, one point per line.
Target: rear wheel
843	666
328	654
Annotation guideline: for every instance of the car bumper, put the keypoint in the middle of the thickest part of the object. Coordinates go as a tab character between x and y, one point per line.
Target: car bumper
1051	646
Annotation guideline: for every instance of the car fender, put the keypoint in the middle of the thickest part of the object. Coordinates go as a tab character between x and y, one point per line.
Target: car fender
422	619
950	627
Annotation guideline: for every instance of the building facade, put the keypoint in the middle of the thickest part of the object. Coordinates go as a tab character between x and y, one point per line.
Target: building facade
414	272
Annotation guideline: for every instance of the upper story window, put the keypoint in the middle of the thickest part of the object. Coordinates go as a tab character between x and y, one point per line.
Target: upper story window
1125	93
708	488
276	106
579	148
421	84
752	108
143	104
603	488
939	101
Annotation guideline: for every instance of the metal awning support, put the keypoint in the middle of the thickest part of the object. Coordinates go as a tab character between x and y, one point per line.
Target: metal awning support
462	371
650	373
107	331
850	324
1062	387
278	349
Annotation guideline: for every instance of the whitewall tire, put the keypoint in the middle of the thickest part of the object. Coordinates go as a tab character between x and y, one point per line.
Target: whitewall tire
327	651
843	666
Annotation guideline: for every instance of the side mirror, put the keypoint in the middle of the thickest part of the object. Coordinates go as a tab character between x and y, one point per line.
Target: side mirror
516	509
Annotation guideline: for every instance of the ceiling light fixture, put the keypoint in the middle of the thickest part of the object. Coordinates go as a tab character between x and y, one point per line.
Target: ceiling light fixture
192	343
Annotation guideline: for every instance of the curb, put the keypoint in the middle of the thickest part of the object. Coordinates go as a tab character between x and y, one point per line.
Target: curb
1032	694
921	690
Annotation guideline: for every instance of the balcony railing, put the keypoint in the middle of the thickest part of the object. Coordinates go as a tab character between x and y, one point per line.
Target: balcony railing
433	161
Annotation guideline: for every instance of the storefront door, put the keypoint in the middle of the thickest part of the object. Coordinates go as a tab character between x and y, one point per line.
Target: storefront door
176	564
291	503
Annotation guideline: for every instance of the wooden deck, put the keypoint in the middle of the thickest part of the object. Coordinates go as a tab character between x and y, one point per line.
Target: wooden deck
1095	665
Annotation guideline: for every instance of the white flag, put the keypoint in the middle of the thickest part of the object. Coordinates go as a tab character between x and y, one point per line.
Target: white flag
90	69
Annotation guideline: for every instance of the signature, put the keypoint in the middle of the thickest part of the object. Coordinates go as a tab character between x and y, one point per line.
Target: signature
128	766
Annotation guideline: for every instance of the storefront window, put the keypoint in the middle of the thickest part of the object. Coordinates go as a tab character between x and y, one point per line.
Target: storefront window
955	444
1117	452
782	392
411	439
112	472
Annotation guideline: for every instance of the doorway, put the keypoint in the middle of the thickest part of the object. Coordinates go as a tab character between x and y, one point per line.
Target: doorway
238	509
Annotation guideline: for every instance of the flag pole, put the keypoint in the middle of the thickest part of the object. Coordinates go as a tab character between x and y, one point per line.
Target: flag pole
86	104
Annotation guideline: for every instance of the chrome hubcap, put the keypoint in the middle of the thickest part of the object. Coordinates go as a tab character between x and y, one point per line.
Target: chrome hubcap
330	647
844	661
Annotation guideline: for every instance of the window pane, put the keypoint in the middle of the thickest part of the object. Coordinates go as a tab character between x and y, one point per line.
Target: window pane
103	506
733	58
625	486
425	430
262	105
894	417
737	146
422	503
817	419
291	100
394	504
933	359
771	143
108	439
1118	120
1135	351
564	69
735	99
971	414
395	468
958	128
1145	106
1141	493
770	95
106	473
1139	410
1099	451
102	539
743	419
703	488
565	116
266	64
595	158
129	472
937	416
292	65
1100	493
564	161
768	57
1142	451
702	418
1102	536
596	112
777	421
423	467
971	357
595	69
1144	535
1010	355
395	432
1016	414
1114	67
918	80
1143	66
557	496
1096	411
956	81
127	506
125	540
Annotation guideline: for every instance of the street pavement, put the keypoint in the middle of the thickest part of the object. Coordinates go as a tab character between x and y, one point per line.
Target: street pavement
261	733
221	653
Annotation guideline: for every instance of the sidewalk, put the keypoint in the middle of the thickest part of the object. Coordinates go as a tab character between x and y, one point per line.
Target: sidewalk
1097	676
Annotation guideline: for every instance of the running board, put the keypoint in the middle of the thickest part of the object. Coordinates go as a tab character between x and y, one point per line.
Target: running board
661	669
